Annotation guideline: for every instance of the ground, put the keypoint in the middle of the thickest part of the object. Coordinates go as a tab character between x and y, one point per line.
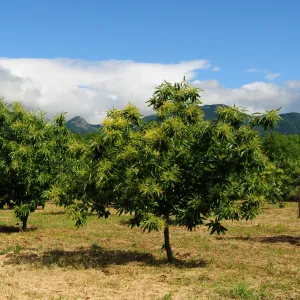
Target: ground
257	259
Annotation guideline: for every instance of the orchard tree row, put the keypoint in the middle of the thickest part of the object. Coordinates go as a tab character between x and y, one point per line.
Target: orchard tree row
283	152
181	168
33	155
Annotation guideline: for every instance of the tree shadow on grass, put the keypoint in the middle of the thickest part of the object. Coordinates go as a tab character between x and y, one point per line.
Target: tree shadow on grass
13	229
54	213
125	222
95	257
293	240
128	223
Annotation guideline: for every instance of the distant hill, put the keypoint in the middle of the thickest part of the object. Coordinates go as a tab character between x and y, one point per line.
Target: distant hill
209	113
81	126
290	123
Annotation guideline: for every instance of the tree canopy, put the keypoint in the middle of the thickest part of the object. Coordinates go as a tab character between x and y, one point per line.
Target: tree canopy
284	153
180	168
32	155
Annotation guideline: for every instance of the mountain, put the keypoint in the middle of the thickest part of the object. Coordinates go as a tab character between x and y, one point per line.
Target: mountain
290	123
209	113
81	126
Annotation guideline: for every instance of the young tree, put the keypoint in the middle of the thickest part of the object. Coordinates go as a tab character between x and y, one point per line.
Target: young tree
32	155
284	152
181	167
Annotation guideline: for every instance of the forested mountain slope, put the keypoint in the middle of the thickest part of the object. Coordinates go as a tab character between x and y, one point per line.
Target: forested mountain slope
290	123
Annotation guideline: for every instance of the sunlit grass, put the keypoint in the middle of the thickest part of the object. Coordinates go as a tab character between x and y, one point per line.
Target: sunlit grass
259	259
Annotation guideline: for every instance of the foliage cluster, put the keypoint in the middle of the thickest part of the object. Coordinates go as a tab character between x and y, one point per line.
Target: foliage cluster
32	155
284	153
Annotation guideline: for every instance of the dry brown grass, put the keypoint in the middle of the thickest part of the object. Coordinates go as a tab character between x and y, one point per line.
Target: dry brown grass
107	260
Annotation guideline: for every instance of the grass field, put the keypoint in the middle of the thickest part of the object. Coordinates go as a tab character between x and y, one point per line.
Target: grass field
259	259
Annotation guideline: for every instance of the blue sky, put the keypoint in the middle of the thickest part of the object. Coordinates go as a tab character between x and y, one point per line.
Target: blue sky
234	36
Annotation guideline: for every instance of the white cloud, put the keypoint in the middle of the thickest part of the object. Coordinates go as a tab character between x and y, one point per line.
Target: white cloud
216	69
272	76
252	70
269	75
256	96
89	89
293	84
85	88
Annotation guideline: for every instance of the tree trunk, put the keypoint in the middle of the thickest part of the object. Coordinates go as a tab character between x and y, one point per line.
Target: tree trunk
167	244
298	207
24	222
